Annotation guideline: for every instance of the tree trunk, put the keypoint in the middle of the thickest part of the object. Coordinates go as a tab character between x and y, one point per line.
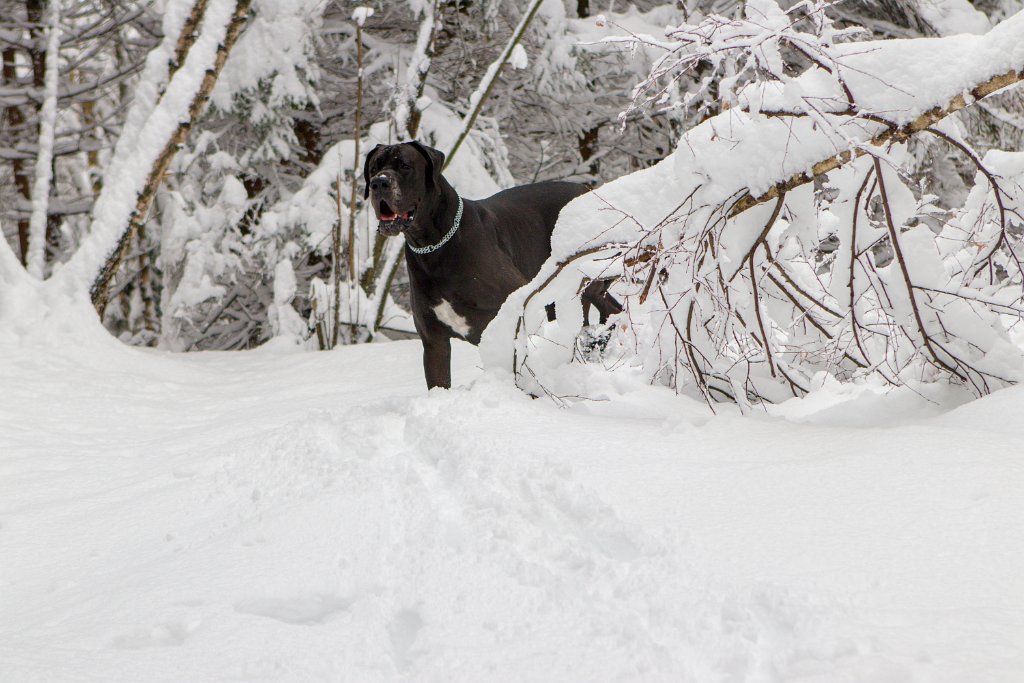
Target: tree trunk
101	285
40	232
15	122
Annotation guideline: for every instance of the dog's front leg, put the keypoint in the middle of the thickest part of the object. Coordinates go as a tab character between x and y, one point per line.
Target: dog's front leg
437	362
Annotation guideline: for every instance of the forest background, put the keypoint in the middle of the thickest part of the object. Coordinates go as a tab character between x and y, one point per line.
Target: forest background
250	222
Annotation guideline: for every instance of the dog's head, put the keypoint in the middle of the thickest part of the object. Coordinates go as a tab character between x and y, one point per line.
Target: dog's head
402	182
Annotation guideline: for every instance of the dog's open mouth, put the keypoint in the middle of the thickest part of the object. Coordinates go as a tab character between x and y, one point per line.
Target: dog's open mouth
391	222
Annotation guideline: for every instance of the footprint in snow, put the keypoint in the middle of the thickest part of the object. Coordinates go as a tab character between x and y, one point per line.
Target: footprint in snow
302	611
404	628
165	634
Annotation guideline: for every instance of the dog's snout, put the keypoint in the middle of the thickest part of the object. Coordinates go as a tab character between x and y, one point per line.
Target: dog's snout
380	183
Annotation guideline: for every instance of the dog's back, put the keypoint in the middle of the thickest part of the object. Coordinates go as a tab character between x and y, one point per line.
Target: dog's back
547	198
526	217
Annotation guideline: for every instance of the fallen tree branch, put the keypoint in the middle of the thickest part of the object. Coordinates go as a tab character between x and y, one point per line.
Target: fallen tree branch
803	322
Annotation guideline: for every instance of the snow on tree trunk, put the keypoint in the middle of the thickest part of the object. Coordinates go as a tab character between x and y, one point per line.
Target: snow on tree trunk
44	161
158	124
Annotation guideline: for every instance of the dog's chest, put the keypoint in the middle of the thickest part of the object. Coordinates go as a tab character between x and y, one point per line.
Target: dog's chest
455	322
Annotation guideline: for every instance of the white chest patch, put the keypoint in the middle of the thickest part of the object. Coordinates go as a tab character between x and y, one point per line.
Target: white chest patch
446	314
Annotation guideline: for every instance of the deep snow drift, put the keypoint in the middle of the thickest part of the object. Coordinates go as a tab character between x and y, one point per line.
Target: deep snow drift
319	516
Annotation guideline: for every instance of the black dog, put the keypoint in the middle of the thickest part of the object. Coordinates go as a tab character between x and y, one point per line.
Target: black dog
464	257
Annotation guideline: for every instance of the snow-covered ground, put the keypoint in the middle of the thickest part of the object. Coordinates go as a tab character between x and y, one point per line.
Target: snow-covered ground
319	516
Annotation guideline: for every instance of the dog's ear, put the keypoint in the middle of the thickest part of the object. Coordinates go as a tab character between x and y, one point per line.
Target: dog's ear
435	161
366	171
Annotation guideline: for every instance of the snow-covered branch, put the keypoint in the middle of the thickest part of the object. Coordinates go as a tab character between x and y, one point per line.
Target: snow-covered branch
483	90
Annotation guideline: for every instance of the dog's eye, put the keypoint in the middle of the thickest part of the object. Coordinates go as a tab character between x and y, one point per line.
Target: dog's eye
403	166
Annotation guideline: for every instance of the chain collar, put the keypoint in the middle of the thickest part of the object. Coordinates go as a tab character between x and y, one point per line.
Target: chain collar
455	227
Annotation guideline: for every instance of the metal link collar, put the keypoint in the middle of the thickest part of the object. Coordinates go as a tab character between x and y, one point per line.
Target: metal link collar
455	227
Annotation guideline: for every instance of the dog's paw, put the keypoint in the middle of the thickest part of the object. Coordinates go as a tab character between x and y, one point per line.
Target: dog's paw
592	342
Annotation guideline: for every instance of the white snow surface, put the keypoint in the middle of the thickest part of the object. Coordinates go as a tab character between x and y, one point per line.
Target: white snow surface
320	516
